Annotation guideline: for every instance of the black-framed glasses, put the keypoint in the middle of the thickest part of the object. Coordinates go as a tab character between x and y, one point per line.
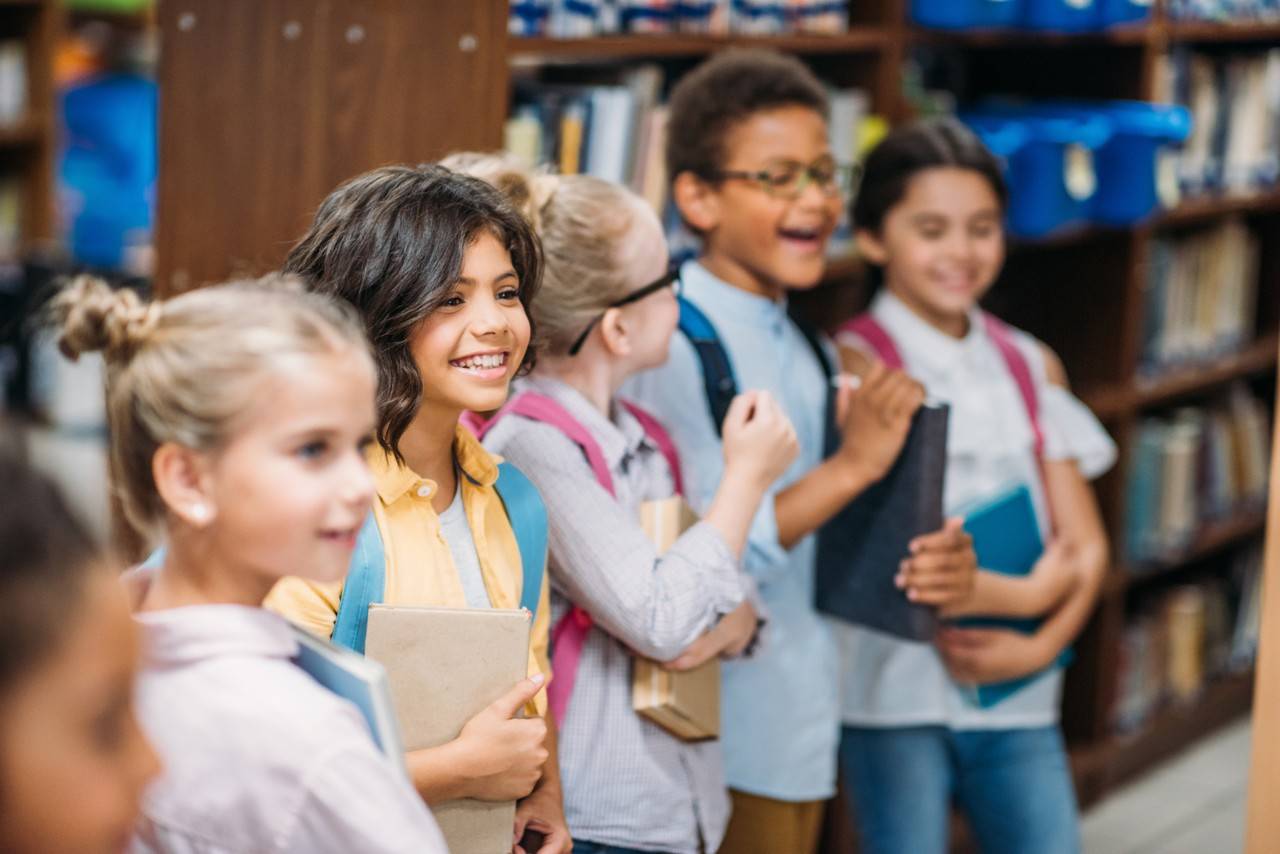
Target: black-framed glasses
789	180
670	279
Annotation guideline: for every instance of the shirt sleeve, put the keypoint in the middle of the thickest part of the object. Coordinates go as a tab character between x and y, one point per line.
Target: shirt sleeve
675	394
353	800
604	562
309	604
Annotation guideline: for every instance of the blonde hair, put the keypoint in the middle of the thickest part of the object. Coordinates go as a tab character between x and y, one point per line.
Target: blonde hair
181	370
583	223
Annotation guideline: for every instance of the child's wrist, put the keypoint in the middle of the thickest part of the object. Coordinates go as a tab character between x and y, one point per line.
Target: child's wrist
853	473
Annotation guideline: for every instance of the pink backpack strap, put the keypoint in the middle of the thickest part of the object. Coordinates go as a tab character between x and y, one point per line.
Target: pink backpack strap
866	327
1002	337
569	635
659	436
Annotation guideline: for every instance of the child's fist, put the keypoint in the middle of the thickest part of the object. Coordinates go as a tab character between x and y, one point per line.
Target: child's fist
759	440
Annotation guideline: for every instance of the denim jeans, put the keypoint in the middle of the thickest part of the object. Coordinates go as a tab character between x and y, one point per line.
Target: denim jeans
1014	787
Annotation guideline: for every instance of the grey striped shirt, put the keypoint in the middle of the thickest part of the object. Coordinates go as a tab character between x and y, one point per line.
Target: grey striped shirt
627	782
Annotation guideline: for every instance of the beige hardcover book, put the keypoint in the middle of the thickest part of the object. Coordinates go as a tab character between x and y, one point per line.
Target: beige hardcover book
444	666
685	704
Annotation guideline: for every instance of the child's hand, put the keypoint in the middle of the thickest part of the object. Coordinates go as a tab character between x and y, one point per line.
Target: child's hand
875	419
505	754
759	440
727	638
983	656
942	567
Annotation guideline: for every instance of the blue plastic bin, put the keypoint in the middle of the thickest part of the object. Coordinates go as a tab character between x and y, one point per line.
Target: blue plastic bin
966	14
1128	163
1067	16
1052	177
1118	12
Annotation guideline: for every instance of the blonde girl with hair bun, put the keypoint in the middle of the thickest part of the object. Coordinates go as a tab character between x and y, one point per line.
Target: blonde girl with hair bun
240	413
607	311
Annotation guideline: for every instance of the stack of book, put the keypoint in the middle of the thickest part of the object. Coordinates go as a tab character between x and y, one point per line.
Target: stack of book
13	82
1235	106
1182	639
1196	467
1225	11
1200	298
587	18
618	132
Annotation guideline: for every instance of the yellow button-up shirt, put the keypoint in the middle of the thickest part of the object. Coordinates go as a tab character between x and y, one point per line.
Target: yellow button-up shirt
420	568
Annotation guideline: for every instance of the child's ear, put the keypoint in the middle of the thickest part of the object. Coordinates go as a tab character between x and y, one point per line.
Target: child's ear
183	480
871	247
697	201
613	329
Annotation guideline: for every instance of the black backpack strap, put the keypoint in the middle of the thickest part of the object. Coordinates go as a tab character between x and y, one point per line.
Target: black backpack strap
830	432
717	372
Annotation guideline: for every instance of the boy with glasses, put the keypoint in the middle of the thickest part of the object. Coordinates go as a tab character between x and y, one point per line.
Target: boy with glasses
755	178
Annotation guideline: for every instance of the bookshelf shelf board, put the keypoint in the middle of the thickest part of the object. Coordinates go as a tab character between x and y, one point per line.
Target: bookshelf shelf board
1121	758
1213	538
28	131
1208	31
839	269
856	40
1120	36
1258	357
1195	211
121	20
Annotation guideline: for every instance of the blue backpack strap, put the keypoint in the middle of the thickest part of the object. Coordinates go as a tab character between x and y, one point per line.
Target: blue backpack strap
528	517
365	585
717	371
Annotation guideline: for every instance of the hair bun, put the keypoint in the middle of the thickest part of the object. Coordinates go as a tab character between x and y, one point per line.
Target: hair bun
527	190
94	316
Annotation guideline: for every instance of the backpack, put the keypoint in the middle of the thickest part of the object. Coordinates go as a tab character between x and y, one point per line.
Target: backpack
719	383
367	573
569	635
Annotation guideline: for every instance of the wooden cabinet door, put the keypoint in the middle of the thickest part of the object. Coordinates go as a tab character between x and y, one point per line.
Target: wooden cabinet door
267	105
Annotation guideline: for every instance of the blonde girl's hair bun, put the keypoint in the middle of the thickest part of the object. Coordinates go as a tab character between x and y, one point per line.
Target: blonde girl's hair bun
528	191
93	316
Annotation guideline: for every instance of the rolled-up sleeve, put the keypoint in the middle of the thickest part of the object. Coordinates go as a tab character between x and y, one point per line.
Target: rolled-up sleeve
603	561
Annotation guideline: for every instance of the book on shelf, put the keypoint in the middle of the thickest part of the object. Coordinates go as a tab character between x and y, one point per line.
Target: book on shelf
1234	147
1200	298
1180	639
568	19
1234	12
13	81
1199	465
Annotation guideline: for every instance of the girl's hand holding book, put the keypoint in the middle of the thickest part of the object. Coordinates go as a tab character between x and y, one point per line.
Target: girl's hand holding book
984	656
502	754
727	638
941	568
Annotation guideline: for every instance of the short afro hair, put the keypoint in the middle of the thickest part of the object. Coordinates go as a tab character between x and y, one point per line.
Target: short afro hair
728	89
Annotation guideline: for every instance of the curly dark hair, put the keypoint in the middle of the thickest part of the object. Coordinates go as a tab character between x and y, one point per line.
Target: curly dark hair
727	89
913	148
48	560
391	242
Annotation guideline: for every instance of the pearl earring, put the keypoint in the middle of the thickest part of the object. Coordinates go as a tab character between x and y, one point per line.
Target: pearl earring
200	514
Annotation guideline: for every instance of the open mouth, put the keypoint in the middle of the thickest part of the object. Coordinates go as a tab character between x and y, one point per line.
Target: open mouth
486	366
345	537
804	238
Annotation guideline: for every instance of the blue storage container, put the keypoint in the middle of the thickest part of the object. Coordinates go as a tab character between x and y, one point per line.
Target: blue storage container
1116	12
1068	16
1129	164
1052	178
966	14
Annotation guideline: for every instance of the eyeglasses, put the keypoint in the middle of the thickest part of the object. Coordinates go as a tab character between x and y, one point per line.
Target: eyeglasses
670	279
789	180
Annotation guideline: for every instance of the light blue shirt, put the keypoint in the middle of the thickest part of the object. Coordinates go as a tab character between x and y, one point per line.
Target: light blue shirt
779	712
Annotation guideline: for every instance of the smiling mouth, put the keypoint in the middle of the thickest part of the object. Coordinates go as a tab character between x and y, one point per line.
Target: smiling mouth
341	536
483	365
804	235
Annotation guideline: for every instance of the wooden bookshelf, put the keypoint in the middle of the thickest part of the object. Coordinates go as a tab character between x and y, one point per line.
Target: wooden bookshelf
1212	538
624	48
1197	211
1209	32
28	146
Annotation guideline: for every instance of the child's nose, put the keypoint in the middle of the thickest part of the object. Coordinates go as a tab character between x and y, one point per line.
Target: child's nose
488	317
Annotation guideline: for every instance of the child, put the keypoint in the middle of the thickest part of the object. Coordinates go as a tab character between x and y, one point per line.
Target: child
607	310
929	215
73	762
440	268
239	415
754	176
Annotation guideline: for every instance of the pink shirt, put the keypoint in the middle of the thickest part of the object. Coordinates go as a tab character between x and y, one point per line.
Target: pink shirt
257	756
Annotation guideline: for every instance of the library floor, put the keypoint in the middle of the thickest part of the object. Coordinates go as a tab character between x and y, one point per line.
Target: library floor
1194	804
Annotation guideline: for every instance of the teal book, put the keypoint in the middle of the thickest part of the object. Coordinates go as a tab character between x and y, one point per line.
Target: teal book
1006	539
360	680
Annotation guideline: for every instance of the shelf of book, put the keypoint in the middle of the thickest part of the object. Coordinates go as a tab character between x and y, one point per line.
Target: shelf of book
1197	210
1212	538
1116	760
622	48
1137	36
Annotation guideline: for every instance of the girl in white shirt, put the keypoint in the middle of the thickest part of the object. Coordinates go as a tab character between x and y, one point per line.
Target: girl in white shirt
929	216
239	416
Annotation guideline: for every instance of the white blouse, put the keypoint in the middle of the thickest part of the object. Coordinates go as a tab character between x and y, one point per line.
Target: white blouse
891	682
257	756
